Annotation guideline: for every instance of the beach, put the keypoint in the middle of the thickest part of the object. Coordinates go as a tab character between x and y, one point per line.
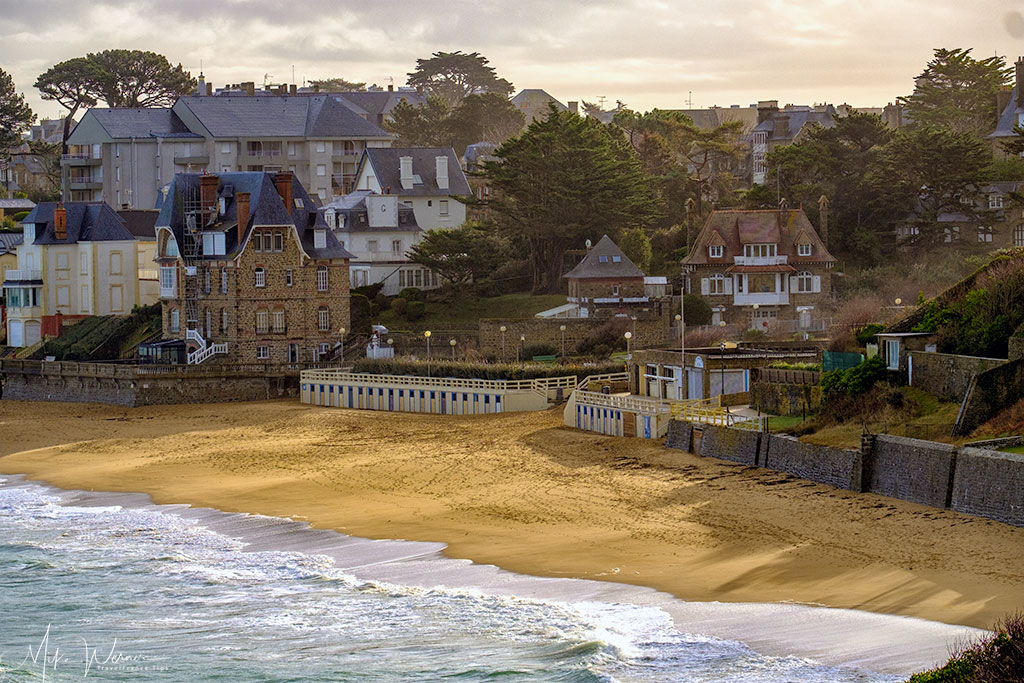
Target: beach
522	492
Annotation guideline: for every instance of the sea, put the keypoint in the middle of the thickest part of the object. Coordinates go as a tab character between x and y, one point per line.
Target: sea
110	587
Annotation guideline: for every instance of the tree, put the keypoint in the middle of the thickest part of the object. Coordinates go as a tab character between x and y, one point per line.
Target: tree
337	85
454	75
477	118
15	114
461	255
423	125
958	92
637	247
48	156
926	171
70	84
565	179
137	78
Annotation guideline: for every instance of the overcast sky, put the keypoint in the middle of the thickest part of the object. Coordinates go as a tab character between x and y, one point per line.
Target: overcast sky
647	53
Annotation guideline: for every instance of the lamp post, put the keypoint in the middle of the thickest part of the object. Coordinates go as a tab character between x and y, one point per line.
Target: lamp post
629	353
522	351
721	351
427	336
561	328
451	342
682	358
391	345
503	330
341	331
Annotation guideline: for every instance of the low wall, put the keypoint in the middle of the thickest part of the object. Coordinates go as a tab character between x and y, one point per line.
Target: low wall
736	445
989	393
680	435
650	331
989	484
832	466
945	375
786	399
910	469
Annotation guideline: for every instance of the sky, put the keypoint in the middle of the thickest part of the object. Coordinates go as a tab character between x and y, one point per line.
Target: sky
646	53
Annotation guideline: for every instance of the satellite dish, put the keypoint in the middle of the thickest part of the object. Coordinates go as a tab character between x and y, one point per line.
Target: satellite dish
589	243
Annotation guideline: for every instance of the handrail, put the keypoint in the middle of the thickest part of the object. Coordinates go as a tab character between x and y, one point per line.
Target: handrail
606	377
646	405
541	384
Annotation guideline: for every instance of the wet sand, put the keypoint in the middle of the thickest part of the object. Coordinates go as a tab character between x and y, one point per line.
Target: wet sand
523	493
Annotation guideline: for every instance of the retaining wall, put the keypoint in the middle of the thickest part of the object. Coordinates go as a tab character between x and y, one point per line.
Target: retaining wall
989	393
786	399
946	375
989	484
832	466
736	445
910	469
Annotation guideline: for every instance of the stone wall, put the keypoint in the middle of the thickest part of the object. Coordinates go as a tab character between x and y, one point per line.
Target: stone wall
989	393
736	445
679	435
832	466
948	376
786	399
989	484
650	331
910	469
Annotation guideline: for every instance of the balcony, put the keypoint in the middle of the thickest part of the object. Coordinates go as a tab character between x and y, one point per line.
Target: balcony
760	260
761	299
80	159
85	181
24	276
621	300
192	159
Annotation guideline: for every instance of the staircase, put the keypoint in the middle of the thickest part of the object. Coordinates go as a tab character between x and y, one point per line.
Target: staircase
204	351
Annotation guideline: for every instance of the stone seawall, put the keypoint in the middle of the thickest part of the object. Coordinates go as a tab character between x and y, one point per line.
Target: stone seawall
974	481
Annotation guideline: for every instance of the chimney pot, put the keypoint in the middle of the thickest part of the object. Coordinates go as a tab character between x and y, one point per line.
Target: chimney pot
60	222
405	172
283	182
442	171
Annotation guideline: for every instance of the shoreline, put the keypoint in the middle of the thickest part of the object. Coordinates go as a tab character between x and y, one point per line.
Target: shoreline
842	638
520	492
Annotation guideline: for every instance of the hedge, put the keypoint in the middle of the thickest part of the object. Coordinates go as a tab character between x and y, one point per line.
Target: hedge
441	368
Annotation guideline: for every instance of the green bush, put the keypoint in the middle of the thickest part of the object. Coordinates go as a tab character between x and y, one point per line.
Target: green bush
369	291
445	368
696	310
360	313
866	335
539	350
412	294
382	301
415	310
20	216
996	658
856	380
815	367
398	305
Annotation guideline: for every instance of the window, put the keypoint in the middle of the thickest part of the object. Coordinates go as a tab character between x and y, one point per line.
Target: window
291	149
168	280
175	323
616	259
261	277
1018	235
323	319
321	169
321	146
615	290
289	277
268	242
371	245
995	201
803	250
115	263
759	250
208	319
225	148
322	194
116	298
602	259
804	282
984	233
117	150
951	234
716	251
206	280
278	319
396	246
401	279
319	239
716	284
262	321
213	244
64	296
257	241
223	321
263	352
85	298
278	241
442	207
321	279
117	174
223	280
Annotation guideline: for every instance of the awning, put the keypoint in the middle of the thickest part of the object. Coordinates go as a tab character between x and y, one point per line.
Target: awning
781	268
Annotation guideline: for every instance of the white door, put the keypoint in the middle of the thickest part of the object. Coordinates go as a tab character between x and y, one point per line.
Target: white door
17	333
892	354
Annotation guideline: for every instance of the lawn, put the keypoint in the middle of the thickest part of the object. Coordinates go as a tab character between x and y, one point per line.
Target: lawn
465	313
1014	449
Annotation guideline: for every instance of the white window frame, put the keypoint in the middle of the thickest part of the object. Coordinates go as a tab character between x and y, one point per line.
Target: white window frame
442	207
223	280
323	281
262	322
323	319
995	201
803	250
262	352
716	251
175	320
277	321
260	277
805	282
716	284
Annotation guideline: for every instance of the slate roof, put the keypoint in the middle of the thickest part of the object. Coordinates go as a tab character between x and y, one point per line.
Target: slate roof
140	123
140	222
266	208
353	207
1008	118
387	170
477	153
537	97
16	204
604	260
86	222
9	241
733	229
323	116
376	102
797	119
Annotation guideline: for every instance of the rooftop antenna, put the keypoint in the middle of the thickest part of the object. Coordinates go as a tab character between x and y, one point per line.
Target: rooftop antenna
293	74
689	99
600	101
266	79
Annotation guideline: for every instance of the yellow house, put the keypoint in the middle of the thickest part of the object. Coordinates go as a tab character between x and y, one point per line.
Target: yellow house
78	259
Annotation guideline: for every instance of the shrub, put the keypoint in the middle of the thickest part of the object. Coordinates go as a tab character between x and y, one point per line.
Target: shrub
696	310
415	310
539	350
866	335
996	658
412	294
383	301
606	338
360	312
856	380
369	291
398	305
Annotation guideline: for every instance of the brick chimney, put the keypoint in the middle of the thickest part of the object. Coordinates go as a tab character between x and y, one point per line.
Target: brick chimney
781	126
1019	81
60	222
766	108
242	210
208	194
283	182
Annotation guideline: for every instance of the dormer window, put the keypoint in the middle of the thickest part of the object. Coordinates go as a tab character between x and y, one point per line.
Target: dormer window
716	251
329	217
616	259
995	201
319	239
803	250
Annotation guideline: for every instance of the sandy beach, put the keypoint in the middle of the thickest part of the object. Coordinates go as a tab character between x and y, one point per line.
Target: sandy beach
521	492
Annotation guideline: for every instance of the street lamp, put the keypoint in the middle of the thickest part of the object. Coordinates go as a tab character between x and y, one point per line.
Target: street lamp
391	345
451	342
561	328
721	351
341	331
629	337
503	330
427	336
522	351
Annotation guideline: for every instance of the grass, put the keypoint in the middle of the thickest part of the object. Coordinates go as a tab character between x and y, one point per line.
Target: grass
1014	449
777	423
465	313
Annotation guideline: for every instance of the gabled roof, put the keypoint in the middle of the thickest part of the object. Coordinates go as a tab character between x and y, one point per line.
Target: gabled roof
323	116
1008	118
537	96
376	102
797	119
140	123
85	222
140	222
353	207
17	204
387	169
266	208
604	260
781	227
